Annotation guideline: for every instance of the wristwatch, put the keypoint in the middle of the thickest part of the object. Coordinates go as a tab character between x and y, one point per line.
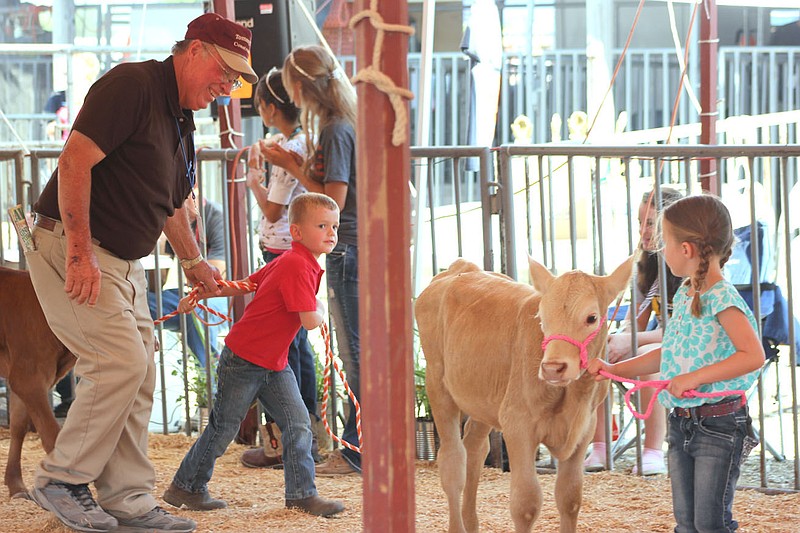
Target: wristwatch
188	264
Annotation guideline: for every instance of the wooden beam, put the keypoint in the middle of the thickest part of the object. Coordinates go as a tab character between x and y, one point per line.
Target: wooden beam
387	364
709	44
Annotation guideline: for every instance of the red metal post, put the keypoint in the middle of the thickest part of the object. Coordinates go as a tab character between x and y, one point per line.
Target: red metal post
387	367
237	214
709	44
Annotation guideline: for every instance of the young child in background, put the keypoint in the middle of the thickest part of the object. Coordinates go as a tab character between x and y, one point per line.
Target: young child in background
253	365
328	117
710	345
277	111
649	300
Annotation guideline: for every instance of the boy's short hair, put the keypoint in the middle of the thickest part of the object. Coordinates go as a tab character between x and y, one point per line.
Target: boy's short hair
302	203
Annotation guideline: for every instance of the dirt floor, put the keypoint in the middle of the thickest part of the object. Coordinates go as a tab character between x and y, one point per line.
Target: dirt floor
613	501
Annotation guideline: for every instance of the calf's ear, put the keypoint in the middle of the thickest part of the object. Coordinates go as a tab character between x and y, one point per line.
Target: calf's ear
617	281
540	276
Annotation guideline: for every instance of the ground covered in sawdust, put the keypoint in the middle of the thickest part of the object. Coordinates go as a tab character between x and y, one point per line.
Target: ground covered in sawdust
613	501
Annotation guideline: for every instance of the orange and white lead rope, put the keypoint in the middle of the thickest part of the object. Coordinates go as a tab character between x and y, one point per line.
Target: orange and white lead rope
326	380
246	285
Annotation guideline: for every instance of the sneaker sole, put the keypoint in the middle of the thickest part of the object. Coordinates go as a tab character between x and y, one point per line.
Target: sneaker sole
133	529
37	496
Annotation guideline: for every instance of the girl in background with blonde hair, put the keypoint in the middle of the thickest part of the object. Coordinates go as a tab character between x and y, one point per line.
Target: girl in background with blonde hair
328	116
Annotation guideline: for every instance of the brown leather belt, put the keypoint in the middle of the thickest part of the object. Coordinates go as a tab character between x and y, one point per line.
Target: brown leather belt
710	409
44	222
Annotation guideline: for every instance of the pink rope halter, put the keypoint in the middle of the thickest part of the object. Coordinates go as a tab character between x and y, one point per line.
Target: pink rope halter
582	346
659	385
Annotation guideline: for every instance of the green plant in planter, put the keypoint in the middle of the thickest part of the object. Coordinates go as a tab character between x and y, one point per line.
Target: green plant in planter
422	405
196	382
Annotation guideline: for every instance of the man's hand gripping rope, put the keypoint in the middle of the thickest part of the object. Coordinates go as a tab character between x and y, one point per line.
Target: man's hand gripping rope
193	299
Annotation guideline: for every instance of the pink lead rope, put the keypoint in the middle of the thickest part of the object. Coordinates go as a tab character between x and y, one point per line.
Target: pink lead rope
657	384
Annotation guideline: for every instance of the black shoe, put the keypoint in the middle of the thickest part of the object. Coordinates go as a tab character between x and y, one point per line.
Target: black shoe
61	409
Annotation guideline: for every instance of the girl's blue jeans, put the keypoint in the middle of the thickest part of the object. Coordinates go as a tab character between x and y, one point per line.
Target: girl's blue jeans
239	383
342	277
705	454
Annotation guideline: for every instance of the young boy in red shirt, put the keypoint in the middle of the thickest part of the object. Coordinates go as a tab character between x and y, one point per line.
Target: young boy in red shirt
253	364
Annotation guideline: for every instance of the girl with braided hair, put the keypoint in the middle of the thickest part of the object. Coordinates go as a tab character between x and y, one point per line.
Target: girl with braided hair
710	345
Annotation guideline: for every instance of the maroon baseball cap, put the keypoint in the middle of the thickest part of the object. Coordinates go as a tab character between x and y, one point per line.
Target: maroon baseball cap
231	40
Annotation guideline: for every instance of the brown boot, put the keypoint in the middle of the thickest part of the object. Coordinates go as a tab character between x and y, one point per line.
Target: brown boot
256	458
196	501
317	506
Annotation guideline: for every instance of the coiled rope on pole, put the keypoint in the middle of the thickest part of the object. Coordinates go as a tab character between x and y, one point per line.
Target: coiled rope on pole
326	380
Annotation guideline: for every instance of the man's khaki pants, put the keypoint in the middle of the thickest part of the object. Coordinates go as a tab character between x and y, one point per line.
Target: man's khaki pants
104	438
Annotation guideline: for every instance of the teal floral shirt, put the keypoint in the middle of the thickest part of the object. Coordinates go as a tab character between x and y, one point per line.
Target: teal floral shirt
691	343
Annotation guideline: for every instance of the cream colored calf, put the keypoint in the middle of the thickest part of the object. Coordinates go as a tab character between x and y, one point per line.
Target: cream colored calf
482	335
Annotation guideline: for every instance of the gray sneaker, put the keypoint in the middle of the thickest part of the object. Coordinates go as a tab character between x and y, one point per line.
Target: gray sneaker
74	506
157	520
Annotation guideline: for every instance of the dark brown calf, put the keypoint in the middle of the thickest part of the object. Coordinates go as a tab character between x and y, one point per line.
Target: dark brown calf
32	360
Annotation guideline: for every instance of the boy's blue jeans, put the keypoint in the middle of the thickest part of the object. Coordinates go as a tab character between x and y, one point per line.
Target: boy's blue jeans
705	454
342	277
239	383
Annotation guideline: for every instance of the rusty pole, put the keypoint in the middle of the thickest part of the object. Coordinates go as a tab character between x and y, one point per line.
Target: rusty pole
387	366
709	44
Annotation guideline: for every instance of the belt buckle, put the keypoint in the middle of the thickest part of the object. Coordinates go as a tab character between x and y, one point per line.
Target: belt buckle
684	412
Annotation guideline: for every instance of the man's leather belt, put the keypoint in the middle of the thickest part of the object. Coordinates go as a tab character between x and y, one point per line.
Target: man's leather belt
44	222
710	409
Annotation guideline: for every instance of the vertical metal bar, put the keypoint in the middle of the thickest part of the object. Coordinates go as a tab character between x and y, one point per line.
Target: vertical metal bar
486	211
551	214
507	230
573	230
457	201
601	267
786	185
666	105
455	112
432	212
19	177
528	206
542	212
645	87
628	202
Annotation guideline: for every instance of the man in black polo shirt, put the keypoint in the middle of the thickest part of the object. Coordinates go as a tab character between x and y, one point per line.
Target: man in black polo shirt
122	178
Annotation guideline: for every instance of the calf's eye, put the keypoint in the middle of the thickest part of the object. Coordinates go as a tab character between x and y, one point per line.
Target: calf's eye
592	319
